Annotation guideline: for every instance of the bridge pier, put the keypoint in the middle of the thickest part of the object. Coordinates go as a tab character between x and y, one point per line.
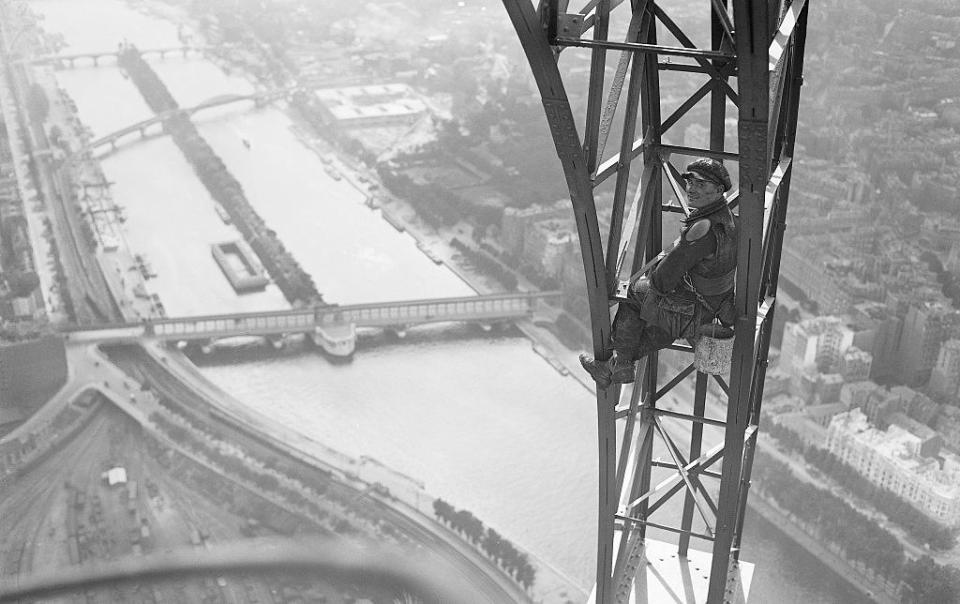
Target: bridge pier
337	340
192	347
398	330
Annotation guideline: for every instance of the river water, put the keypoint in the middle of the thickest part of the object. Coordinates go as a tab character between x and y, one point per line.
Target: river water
482	420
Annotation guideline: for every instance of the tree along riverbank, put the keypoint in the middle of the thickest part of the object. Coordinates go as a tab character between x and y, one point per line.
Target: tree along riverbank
307	492
858	539
297	286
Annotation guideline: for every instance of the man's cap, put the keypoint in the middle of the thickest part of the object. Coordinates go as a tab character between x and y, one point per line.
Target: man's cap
709	169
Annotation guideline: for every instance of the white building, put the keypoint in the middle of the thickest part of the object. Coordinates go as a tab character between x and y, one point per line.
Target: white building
372	105
811	341
892	460
820	344
547	242
516	222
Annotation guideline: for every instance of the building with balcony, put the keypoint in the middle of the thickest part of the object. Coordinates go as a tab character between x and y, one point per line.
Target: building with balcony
898	460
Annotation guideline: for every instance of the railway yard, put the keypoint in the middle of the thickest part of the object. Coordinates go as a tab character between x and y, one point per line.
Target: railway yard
64	511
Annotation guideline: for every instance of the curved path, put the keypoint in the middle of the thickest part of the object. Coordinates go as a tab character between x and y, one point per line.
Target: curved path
179	380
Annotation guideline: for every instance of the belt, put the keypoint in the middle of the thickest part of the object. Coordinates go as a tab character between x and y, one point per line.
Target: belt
711	286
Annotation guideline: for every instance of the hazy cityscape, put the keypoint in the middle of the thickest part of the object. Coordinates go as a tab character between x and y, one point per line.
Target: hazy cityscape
276	270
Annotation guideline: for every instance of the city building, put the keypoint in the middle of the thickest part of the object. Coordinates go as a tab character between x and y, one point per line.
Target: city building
882	403
898	460
546	245
372	105
798	349
953	258
855	364
827	388
856	394
948	426
516	221
877	330
820	341
930	441
822	415
925	327
804	269
945	375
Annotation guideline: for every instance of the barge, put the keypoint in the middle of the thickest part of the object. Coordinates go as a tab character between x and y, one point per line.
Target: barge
394	222
222	213
240	265
432	255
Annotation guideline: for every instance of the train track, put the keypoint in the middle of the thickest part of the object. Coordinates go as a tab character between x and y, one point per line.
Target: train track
168	385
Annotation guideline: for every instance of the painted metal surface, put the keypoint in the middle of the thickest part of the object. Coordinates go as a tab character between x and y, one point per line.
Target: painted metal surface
758	48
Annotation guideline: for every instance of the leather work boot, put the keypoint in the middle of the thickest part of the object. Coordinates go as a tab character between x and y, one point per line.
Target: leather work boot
615	370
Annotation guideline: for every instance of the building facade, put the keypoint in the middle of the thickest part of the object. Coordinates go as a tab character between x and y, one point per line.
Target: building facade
516	222
900	461
925	328
945	375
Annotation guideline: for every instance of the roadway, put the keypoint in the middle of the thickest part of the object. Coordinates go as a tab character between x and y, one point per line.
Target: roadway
28	522
166	379
88	290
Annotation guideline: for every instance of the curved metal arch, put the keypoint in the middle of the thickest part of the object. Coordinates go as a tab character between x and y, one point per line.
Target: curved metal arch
569	149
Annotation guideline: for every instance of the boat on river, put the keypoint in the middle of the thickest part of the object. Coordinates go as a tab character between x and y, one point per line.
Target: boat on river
429	253
394	222
334	174
233	343
222	213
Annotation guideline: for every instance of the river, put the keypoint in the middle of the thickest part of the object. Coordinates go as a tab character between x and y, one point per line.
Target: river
485	422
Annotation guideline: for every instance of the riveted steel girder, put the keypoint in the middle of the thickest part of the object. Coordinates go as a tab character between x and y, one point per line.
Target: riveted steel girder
749	66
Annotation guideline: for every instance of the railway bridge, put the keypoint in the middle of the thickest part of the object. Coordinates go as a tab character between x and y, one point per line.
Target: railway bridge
143	128
332	327
71	61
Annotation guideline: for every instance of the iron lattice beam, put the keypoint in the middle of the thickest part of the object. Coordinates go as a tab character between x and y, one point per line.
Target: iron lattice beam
751	67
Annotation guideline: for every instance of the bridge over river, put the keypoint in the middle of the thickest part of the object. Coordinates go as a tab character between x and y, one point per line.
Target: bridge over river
70	61
332	327
142	127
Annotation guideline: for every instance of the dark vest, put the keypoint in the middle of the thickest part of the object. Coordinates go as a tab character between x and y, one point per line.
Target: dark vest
714	275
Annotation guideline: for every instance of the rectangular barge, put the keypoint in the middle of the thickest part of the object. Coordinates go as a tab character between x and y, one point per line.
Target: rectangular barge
240	265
